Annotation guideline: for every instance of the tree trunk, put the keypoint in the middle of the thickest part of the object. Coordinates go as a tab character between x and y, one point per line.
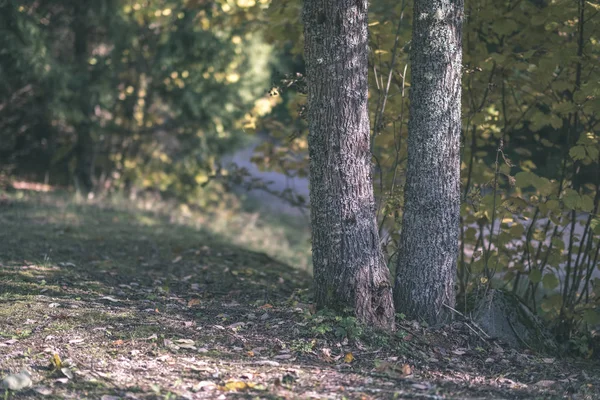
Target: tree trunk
84	149
428	250
350	272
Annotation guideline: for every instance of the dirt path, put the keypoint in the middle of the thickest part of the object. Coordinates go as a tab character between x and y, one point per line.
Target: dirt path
138	307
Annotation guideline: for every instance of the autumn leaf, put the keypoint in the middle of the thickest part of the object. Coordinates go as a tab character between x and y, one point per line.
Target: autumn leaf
348	358
193	302
234	385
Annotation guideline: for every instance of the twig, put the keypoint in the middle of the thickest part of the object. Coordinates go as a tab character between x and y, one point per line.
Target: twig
470	321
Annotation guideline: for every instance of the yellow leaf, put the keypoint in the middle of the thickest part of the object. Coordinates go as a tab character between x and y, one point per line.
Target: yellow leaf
235	385
56	361
348	358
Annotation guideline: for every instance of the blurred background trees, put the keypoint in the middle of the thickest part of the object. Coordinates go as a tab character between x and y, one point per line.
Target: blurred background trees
114	95
130	95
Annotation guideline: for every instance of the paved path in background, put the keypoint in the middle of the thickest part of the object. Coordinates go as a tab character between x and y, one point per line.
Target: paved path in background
278	182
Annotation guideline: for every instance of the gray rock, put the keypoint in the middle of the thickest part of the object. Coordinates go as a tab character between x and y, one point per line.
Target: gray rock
504	316
19	381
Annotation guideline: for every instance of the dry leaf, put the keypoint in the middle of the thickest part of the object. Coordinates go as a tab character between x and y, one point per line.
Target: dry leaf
67	372
326	355
544	383
420	386
193	302
406	370
348	358
109	298
235	385
176	259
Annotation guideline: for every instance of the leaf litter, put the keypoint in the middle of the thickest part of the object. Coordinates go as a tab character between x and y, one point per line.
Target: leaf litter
174	313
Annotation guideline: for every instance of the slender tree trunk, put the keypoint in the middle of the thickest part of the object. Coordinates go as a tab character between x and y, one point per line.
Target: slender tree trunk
84	148
430	228
350	272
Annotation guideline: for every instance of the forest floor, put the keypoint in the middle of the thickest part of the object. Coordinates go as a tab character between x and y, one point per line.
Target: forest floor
99	301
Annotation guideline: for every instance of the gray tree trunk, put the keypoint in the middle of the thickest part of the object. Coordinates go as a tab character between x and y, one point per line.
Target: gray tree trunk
430	227
350	272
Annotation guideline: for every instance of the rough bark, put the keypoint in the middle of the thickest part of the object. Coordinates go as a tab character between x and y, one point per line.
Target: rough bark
349	269
428	250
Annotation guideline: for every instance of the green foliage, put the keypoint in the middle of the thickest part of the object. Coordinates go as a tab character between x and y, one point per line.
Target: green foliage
326	322
530	154
166	86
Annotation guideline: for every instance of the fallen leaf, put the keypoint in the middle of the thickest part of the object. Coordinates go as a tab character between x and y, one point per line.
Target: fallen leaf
236	325
110	298
176	259
267	362
544	383
348	358
193	302
406	370
43	390
420	386
186	344
55	361
326	355
235	385
67	372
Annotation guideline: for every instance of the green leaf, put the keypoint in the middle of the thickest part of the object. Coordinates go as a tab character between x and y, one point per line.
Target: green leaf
587	203
555	121
535	275
577	152
595	225
543	185
525	178
591	317
553	205
552	302
571	199
550	281
593	152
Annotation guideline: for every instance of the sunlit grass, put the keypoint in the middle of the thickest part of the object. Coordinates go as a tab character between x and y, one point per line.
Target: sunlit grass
284	238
